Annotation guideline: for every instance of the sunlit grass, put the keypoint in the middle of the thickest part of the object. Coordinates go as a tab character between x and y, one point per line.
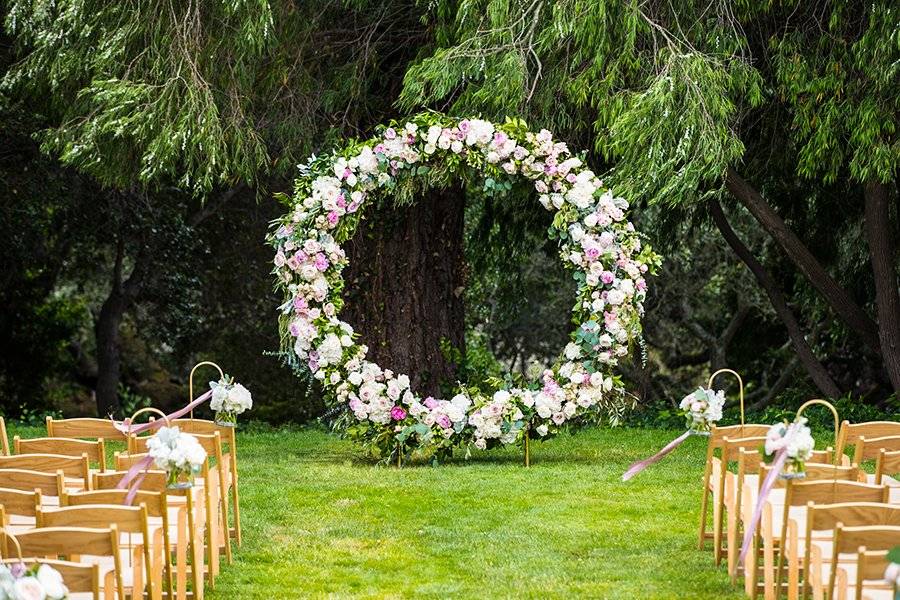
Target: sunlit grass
318	521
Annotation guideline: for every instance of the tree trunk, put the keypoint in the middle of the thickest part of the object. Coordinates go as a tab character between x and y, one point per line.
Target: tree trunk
887	298
840	301
815	369
405	287
106	331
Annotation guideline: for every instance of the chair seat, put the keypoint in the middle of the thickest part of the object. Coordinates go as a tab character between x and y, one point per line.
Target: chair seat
872	589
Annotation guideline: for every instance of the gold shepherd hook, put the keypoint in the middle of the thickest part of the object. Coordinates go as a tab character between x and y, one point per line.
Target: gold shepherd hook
740	386
833	412
191	380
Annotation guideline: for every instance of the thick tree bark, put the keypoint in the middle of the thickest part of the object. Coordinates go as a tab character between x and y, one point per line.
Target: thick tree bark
106	331
405	287
887	299
815	369
848	311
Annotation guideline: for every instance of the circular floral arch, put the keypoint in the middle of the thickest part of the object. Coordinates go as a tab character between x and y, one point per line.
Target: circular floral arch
596	242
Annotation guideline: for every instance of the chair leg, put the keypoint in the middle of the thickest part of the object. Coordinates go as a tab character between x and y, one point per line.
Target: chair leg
703	509
236	510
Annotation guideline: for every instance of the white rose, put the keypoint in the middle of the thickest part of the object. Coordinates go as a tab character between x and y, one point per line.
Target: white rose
28	588
572	351
541	430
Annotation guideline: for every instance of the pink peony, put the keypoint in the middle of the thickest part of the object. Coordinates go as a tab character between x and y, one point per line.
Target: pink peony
332	217
321	262
390	134
431	402
444	421
398	413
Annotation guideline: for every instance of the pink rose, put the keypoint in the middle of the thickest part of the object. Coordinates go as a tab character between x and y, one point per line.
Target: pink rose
398	413
431	403
300	303
444	421
321	262
332	217
607	277
390	134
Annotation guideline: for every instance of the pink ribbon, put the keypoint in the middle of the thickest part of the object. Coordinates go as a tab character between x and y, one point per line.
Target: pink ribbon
643	464
768	484
136	474
126	427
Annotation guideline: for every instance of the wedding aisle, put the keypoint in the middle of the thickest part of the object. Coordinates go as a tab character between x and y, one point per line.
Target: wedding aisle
318	522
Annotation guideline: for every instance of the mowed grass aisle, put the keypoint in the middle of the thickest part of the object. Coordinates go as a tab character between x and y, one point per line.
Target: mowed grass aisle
320	522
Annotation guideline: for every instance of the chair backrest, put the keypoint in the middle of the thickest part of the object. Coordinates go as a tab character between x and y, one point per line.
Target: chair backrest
154	502
152	480
868	448
870	568
824	517
717	434
873	537
19	502
4	441
71	466
850	432
211	442
79	578
84	428
128	519
887	463
834	491
66	541
814	472
95	449
50	484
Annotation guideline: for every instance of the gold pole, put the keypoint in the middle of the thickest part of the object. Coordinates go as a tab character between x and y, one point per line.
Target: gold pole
833	412
740	386
191	380
399	454
527	456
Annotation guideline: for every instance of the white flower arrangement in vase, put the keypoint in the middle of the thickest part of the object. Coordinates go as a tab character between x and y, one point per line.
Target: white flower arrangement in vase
229	399
179	454
702	409
798	446
40	582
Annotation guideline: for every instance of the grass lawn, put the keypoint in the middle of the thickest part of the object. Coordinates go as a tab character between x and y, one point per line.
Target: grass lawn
320	522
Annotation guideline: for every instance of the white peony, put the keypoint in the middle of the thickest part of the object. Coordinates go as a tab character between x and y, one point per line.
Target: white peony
330	350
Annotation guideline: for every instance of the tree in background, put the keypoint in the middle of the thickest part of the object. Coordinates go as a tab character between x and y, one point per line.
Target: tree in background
176	108
692	102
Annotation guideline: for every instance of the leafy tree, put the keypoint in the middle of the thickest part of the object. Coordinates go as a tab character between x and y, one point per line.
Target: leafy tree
206	98
692	102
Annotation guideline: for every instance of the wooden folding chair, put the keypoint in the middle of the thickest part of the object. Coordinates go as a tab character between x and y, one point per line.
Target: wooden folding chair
830	488
79	578
849	540
95	449
230	458
726	485
75	468
712	474
886	464
4	441
800	497
870	566
84	428
130	520
213	479
159	524
743	493
21	504
869	448
821	520
72	542
190	526
850	432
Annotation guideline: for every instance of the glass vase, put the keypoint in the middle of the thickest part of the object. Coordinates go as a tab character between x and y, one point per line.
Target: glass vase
793	469
178	479
226	418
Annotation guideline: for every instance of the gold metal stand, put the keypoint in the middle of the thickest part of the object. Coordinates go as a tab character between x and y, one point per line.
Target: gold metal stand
833	412
191	380
527	455
740	387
